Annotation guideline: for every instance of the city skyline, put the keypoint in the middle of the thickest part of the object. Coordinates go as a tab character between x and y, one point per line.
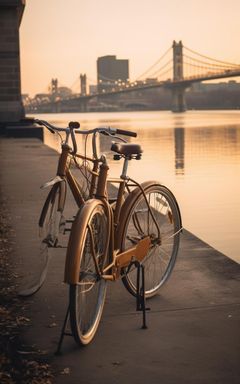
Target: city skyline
63	40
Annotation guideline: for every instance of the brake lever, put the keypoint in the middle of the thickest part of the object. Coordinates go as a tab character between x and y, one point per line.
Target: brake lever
118	138
107	133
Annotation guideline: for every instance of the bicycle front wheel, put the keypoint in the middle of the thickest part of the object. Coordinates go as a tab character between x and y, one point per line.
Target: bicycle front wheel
88	295
52	216
50	222
138	223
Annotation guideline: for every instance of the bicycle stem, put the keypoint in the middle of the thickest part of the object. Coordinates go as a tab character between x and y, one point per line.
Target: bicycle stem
61	171
102	179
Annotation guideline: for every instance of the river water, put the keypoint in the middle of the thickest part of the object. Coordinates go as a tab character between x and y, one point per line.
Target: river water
196	154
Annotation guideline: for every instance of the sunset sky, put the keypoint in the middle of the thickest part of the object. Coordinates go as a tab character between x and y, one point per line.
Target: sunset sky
63	38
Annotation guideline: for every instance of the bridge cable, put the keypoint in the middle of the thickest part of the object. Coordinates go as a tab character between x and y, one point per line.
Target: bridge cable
205	62
152	66
210	58
160	69
207	65
204	67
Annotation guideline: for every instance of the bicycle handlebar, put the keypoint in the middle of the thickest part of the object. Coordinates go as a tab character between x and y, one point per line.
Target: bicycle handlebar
49	126
72	129
74	125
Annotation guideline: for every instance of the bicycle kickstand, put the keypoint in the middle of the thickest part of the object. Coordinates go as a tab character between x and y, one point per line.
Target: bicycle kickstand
140	294
63	333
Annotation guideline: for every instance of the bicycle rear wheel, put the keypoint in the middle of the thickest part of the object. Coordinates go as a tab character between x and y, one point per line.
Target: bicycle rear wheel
138	223
88	295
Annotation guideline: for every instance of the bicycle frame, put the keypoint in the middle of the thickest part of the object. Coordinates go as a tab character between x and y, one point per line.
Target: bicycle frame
117	259
97	191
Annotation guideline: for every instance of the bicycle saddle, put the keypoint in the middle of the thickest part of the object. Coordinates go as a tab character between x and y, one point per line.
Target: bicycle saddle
126	149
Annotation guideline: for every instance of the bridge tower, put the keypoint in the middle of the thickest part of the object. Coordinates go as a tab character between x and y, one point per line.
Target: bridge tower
56	105
178	91
83	84
83	92
177	61
54	88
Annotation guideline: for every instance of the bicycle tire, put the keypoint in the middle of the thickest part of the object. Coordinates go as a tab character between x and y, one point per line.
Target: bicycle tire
136	222
49	223
51	214
87	297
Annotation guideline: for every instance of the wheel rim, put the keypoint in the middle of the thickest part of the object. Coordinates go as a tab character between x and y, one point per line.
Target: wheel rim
91	289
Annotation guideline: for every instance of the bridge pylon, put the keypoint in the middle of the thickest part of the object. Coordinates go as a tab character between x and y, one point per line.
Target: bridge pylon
178	91
177	61
83	105
54	88
83	84
178	99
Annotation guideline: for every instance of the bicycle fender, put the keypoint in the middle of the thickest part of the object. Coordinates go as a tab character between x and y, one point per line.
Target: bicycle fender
50	183
50	197
72	264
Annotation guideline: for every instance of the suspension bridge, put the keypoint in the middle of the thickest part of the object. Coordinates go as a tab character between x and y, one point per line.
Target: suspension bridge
176	70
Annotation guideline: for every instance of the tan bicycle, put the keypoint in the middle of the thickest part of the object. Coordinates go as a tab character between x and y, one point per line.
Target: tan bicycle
134	236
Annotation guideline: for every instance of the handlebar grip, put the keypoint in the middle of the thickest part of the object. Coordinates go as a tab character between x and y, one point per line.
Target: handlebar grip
43	123
39	122
126	133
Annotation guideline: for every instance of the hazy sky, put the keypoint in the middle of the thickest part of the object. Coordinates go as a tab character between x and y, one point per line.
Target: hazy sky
63	38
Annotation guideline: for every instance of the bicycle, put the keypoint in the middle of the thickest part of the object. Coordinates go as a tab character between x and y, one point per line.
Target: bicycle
134	237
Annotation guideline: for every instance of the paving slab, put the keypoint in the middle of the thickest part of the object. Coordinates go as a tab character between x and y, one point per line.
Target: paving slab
193	326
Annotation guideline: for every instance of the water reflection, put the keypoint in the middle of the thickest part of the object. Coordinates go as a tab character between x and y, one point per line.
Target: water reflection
179	142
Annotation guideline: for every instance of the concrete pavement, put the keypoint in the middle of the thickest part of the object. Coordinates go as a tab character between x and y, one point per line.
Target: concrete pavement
193	327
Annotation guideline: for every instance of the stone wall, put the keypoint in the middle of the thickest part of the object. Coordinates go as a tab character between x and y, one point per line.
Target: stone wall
11	108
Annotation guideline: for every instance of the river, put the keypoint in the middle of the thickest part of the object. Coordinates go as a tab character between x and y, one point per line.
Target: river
196	154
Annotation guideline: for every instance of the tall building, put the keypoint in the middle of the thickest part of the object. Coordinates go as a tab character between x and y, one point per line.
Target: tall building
111	70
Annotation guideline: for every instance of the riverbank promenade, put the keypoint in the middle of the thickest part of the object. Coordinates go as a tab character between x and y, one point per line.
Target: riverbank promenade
193	334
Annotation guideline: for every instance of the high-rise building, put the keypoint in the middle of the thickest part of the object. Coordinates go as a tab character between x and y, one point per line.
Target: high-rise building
111	70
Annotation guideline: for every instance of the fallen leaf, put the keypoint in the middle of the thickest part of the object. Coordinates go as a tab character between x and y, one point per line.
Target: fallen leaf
52	325
65	371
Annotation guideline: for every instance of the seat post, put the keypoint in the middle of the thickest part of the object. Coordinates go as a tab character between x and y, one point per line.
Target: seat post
125	167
